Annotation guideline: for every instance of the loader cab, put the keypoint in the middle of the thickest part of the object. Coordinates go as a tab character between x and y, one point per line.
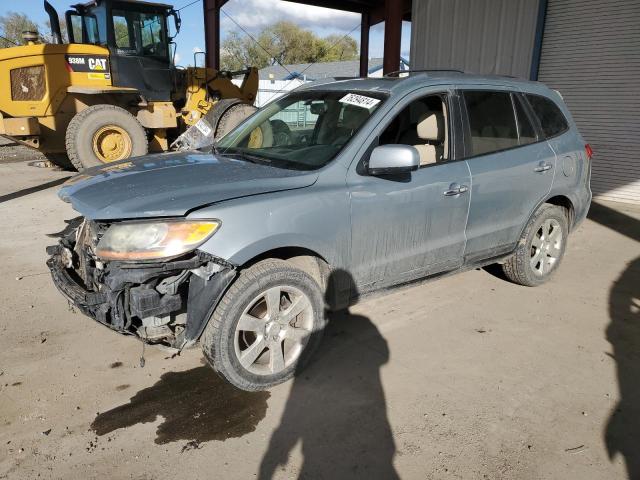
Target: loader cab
137	36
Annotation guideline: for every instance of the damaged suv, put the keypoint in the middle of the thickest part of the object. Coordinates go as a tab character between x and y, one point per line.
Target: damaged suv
335	190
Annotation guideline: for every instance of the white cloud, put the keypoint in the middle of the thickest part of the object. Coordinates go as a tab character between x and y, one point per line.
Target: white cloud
254	15
197	50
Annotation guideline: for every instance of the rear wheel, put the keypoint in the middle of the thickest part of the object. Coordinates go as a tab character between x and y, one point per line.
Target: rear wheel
266	326
103	134
540	249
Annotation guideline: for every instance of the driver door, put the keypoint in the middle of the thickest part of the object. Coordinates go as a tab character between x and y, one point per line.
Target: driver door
139	53
409	226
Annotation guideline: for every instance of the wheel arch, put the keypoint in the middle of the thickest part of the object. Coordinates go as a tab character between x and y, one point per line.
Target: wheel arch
564	202
304	258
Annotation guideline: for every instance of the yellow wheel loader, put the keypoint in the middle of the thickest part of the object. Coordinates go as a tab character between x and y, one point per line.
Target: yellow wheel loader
113	92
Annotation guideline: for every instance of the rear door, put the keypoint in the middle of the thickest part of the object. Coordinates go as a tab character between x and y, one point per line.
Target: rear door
512	169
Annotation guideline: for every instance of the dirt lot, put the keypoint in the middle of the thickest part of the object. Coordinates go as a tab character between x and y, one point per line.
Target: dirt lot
466	377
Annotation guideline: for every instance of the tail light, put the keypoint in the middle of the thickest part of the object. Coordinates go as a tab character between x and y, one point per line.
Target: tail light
588	150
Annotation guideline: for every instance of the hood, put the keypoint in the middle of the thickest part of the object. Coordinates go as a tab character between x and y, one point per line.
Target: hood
172	184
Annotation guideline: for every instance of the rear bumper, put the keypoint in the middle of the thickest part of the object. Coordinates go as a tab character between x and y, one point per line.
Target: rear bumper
166	303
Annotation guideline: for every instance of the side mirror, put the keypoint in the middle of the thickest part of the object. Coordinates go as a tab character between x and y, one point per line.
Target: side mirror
177	21
393	159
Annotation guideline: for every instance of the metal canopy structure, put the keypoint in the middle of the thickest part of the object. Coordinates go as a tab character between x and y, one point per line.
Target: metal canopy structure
392	12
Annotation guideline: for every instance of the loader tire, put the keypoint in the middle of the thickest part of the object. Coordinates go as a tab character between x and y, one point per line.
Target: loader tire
102	134
227	114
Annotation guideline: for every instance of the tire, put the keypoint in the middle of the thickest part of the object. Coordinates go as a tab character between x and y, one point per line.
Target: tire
227	114
229	348
84	132
540	250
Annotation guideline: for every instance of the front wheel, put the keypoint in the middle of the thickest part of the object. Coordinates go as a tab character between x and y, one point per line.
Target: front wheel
266	326
540	249
104	133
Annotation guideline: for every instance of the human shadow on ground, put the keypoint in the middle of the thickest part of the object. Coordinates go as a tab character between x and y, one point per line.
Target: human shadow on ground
336	407
622	434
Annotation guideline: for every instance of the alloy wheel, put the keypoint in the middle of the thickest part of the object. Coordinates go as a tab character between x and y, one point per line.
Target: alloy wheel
546	246
273	330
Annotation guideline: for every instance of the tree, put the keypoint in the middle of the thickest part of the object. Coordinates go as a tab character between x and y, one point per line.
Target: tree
340	48
12	25
284	43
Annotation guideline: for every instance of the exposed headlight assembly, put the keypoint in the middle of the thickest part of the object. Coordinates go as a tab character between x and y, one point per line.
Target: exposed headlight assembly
152	240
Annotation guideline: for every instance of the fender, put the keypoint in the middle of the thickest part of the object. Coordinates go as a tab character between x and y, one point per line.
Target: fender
204	296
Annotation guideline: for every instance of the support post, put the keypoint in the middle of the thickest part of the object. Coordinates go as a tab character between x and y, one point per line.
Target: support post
392	35
212	32
365	24
537	43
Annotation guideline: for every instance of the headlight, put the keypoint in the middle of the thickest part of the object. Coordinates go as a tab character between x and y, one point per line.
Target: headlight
153	240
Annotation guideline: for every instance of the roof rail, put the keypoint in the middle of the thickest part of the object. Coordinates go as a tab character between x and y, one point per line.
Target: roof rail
426	70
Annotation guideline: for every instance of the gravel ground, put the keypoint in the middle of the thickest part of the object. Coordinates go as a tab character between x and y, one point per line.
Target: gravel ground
465	377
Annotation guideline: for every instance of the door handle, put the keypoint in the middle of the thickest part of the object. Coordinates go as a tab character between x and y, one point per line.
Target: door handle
542	167
455	190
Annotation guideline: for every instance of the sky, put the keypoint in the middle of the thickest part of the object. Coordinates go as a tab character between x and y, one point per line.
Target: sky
252	15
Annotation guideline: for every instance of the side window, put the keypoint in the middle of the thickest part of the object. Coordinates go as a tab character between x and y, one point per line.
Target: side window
76	28
491	121
91	24
152	32
422	124
551	118
122	30
526	132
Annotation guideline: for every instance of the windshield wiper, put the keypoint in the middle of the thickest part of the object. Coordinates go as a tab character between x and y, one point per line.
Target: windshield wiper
245	155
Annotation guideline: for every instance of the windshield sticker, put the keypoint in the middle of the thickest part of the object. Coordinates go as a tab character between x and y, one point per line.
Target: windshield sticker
360	100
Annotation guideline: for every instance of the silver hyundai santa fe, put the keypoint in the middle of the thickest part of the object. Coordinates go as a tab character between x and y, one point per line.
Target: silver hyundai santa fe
369	183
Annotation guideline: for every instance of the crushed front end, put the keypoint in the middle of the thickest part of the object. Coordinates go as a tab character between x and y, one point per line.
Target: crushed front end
165	302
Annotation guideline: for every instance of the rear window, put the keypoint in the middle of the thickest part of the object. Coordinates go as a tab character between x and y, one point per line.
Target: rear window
551	118
492	122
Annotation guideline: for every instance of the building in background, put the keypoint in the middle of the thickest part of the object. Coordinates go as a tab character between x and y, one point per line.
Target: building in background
277	80
588	50
318	71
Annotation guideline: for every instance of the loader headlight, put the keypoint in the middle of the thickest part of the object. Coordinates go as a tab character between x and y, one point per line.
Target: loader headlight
153	240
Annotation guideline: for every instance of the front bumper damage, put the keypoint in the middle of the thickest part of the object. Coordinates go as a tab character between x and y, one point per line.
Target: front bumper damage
160	302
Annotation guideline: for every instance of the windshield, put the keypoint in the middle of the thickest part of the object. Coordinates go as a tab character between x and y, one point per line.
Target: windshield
303	131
